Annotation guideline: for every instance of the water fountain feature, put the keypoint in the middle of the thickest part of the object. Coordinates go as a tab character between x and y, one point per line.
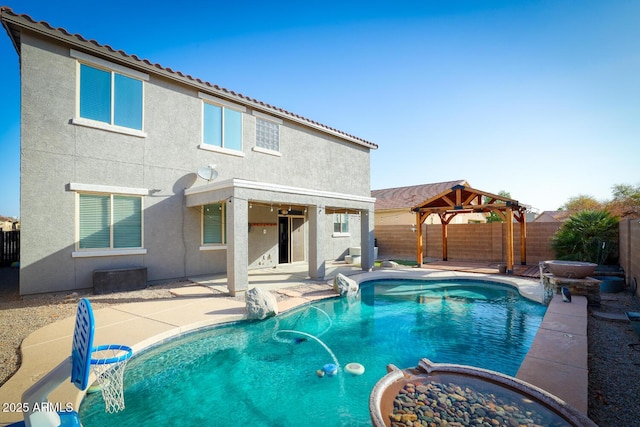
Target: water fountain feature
574	275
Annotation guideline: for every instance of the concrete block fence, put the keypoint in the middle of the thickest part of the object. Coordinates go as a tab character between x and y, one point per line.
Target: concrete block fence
467	242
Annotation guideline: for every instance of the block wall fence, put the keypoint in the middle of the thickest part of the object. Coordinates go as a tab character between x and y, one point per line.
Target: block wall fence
487	243
467	242
630	250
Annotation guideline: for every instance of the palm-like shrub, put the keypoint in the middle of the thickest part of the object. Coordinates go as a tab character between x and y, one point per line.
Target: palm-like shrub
589	235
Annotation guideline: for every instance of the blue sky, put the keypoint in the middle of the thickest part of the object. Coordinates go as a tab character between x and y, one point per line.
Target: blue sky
537	98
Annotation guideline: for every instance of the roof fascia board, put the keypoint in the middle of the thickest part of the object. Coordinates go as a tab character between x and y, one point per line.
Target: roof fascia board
14	42
107	64
265	186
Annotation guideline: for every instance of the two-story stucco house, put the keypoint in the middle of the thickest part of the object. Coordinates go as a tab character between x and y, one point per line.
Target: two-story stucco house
110	149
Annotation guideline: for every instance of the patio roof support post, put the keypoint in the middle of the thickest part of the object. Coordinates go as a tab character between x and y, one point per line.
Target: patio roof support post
367	239
420	249
237	217
317	241
509	223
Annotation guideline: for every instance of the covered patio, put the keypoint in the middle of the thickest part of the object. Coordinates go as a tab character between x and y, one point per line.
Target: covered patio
312	206
462	199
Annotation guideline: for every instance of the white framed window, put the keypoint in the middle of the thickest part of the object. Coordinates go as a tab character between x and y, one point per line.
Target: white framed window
109	221
221	125
340	224
110	96
214	225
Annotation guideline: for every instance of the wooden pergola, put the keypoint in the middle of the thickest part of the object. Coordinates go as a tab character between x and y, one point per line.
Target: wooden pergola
461	199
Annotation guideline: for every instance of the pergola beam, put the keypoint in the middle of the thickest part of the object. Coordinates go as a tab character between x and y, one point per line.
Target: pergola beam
486	207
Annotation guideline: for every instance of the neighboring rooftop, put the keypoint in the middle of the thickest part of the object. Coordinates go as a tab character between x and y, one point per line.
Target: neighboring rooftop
552	216
408	197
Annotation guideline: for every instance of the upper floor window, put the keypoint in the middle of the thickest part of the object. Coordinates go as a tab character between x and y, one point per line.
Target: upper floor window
213	224
110	97
267	135
109	221
221	125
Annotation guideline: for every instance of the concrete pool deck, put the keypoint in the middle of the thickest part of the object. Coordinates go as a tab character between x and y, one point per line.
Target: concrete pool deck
557	360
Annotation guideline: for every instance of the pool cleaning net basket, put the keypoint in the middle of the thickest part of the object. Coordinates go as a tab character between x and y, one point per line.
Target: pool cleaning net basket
108	363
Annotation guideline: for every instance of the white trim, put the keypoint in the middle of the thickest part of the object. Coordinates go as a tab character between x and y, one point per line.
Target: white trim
266	151
213	247
81	121
107	252
110	189
255	185
106	64
267	117
216	149
222	102
340	234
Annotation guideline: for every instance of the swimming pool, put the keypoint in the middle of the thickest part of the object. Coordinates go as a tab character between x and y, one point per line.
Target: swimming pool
253	373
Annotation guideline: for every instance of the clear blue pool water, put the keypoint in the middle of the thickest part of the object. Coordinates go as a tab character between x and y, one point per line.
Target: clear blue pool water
248	373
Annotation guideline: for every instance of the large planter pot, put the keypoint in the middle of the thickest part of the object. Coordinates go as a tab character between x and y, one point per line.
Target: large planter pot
464	393
571	269
610	283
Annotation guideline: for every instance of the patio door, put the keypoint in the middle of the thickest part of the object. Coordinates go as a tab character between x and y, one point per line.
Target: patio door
291	238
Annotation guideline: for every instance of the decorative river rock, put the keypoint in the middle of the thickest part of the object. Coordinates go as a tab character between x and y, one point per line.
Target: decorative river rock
434	395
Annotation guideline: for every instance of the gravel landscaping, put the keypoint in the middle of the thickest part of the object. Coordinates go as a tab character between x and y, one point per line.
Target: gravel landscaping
614	364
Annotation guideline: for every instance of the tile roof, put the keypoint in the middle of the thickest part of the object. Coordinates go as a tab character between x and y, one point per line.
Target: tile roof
10	19
408	197
552	216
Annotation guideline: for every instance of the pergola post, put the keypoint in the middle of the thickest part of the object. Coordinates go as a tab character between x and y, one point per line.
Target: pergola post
445	234
420	251
509	221
523	238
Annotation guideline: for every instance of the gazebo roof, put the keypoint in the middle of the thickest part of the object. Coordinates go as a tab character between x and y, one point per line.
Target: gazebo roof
463	199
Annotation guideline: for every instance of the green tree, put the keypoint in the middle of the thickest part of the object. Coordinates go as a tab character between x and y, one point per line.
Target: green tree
580	203
494	217
626	201
588	235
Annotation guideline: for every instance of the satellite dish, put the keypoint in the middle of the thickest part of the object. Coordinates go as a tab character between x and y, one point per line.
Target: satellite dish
208	173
